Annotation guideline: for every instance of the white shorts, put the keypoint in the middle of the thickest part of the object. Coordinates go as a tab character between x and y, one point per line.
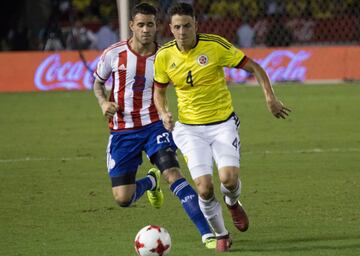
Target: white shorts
201	144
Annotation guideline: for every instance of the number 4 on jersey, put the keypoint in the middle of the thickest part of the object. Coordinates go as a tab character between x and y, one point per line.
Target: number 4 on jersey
189	79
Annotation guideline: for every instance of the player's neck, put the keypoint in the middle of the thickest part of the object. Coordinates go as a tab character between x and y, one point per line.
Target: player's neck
186	48
142	49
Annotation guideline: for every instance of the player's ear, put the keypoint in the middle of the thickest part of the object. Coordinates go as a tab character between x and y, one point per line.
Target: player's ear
131	25
170	26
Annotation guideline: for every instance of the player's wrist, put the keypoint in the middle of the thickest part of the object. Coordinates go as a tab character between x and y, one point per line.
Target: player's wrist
163	114
270	98
102	103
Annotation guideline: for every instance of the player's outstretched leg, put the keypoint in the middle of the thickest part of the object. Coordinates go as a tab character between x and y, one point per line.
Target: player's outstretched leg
155	196
189	200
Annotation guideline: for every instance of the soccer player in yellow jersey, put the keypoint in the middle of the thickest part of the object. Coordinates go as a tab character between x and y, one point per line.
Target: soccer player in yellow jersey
208	127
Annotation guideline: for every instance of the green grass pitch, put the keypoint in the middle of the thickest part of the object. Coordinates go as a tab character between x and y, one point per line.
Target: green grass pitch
301	178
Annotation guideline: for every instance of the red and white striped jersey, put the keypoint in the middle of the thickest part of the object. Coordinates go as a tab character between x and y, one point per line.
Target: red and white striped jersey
132	86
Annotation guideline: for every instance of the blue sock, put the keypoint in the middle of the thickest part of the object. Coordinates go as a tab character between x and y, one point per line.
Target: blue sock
142	185
189	200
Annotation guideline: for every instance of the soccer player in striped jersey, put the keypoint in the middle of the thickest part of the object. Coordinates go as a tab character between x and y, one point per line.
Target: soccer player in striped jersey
135	125
208	127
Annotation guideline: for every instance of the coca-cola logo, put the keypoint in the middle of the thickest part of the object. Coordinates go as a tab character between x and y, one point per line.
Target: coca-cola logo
53	74
280	65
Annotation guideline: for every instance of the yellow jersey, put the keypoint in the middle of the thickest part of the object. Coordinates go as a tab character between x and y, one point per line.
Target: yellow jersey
198	77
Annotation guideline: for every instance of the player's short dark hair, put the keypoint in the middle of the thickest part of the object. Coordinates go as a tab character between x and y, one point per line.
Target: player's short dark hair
143	8
182	9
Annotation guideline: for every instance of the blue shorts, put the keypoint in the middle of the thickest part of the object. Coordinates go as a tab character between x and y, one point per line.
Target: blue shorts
124	151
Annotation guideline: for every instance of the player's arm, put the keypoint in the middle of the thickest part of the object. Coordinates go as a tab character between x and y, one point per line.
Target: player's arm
161	106
275	106
108	108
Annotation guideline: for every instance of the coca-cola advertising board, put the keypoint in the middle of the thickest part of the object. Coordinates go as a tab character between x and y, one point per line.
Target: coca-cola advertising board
66	70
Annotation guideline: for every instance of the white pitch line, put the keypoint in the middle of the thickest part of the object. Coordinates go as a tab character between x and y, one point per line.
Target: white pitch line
306	151
300	151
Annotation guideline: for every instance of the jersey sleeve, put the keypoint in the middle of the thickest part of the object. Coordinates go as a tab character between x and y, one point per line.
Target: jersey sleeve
230	56
103	69
160	76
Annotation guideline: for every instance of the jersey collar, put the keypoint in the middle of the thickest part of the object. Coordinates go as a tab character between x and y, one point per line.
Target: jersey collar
137	54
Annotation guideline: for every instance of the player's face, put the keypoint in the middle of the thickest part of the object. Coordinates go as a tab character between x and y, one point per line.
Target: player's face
184	29
144	28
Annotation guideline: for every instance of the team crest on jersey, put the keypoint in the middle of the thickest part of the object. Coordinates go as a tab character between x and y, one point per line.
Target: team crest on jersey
203	60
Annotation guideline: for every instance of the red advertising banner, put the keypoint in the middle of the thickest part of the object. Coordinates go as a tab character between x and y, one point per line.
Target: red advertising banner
304	64
42	71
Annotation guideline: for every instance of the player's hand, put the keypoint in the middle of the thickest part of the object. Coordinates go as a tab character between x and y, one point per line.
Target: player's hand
109	108
277	108
168	121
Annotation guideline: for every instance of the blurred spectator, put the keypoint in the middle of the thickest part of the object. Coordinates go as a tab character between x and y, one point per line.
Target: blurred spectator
201	7
249	8
274	7
105	36
108	9
80	6
297	9
64	8
52	37
321	9
18	37
245	34
278	34
218	8
80	38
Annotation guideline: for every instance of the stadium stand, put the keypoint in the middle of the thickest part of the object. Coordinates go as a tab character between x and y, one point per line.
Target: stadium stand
270	22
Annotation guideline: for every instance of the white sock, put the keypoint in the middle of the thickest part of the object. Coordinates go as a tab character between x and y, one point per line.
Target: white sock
206	236
231	197
213	213
153	181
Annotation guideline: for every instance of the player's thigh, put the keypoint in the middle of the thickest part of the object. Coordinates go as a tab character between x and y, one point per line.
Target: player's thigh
161	150
226	144
196	149
124	155
158	139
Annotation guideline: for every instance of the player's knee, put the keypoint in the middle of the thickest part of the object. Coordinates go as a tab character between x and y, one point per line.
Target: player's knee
122	200
205	189
229	177
229	183
172	174
206	194
165	159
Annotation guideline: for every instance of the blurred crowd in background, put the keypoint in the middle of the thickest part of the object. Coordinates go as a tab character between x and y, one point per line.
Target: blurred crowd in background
93	24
